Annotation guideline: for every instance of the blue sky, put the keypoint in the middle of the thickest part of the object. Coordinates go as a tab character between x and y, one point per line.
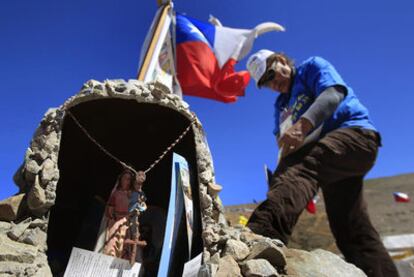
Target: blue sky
50	48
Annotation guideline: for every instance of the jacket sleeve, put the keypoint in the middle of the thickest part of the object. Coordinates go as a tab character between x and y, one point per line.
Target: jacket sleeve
320	75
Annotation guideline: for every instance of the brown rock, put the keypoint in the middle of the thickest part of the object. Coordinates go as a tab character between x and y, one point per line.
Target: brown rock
35	237
36	198
18	177
11	207
248	237
18	229
228	267
52	142
267	250
210	237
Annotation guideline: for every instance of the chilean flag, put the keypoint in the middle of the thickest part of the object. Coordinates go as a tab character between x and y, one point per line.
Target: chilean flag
401	197
205	67
207	54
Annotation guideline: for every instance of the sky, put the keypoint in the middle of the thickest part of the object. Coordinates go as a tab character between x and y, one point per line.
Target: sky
49	48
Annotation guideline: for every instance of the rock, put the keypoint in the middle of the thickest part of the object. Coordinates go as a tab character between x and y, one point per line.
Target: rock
237	249
50	192
93	84
40	154
51	142
222	219
41	223
49	115
5	227
215	259
158	94
16	252
11	207
249	237
38	268
210	237
145	93
36	198
278	243
206	201
269	251
319	263
234	233
31	169
43	271
30	271
206	176
49	172
258	268
214	189
228	267
223	239
206	255
121	87
18	229
207	270
35	237
12	269
18	177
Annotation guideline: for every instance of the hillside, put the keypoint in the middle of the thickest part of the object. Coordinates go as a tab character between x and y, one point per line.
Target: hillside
388	216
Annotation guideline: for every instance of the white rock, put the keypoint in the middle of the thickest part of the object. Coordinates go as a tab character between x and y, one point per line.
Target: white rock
320	263
36	198
49	172
31	169
237	249
259	268
16	252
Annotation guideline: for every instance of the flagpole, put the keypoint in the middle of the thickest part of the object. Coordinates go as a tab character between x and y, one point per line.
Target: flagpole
154	40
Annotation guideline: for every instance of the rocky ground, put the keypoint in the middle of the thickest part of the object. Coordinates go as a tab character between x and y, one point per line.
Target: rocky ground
388	216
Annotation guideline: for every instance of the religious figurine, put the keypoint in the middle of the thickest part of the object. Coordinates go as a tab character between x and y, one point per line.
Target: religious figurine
136	206
137	196
117	215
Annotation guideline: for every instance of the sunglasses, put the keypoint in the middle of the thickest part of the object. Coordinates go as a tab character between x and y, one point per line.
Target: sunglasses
268	76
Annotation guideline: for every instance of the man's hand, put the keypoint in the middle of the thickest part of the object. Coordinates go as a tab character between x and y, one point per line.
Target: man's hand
294	137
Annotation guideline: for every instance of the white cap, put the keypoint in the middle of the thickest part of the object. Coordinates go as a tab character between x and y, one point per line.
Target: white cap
256	64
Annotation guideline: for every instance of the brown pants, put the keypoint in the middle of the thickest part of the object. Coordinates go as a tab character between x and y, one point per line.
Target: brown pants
337	163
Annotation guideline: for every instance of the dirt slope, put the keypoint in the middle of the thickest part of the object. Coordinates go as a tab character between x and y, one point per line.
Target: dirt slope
388	216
